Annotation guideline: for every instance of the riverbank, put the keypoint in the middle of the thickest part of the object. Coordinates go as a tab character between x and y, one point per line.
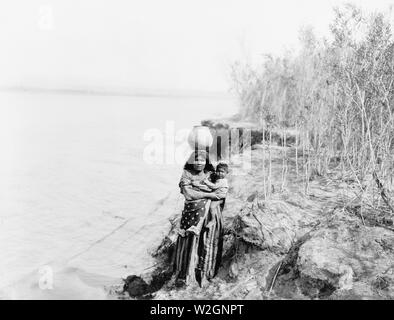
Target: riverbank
294	243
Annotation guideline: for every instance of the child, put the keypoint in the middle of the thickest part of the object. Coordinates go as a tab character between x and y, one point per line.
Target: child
216	182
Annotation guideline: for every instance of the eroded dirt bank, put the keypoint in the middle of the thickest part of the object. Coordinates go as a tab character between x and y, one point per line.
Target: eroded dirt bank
291	246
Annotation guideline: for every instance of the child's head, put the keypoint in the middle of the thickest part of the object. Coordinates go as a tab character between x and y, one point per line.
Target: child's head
221	170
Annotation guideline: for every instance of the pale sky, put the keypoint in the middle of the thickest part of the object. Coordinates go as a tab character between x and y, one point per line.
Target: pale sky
154	44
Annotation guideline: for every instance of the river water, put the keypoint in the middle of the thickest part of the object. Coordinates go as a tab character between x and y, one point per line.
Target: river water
82	201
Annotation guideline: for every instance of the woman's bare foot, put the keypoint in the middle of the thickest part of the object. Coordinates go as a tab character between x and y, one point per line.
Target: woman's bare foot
179	283
204	283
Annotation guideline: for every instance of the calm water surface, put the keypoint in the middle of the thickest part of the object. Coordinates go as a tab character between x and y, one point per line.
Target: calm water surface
78	203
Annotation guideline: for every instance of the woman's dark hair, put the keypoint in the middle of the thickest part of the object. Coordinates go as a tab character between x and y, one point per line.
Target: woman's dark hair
190	162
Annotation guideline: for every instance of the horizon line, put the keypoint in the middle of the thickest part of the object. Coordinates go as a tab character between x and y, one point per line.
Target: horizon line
132	92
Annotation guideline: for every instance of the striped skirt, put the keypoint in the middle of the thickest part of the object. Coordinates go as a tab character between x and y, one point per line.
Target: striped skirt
198	255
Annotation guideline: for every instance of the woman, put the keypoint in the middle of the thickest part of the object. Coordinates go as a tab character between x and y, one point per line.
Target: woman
198	252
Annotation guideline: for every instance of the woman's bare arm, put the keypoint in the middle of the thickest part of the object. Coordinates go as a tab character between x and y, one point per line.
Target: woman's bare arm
191	194
201	187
